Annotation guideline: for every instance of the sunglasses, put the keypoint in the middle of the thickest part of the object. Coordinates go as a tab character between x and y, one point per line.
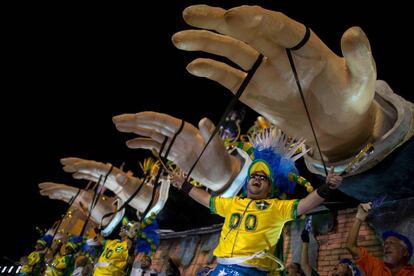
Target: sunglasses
259	177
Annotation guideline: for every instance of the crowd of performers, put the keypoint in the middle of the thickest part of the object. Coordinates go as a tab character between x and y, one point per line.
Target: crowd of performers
283	65
92	254
96	256
252	227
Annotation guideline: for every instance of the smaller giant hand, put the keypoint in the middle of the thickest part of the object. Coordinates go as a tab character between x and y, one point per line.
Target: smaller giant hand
82	202
216	168
119	182
92	170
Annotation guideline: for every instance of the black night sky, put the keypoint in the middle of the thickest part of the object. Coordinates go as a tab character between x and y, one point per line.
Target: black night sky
68	69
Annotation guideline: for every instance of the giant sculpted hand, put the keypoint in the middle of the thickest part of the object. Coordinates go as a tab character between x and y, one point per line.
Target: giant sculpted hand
122	184
83	200
339	91
216	167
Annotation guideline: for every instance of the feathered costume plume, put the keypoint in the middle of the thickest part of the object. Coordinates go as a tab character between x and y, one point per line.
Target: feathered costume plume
273	152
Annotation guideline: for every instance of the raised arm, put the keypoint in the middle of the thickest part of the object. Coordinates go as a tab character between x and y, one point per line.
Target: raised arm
314	199
304	256
198	194
201	196
351	241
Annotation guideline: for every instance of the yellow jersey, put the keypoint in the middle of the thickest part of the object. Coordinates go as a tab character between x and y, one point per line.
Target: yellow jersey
251	226
113	260
59	266
33	259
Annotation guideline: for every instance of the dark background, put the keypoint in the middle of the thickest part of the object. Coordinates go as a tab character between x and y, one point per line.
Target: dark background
68	69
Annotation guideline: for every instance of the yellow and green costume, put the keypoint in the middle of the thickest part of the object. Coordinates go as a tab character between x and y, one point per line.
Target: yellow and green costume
61	265
33	266
113	260
251	226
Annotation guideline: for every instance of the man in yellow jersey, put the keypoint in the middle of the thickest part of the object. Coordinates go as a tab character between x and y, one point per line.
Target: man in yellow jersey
117	254
34	263
63	261
254	222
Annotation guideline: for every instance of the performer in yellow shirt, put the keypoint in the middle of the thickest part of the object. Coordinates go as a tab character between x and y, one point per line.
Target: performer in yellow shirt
63	261
253	222
117	254
251	226
34	263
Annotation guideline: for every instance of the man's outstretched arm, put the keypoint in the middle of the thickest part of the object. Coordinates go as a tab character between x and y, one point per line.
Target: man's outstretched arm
314	199
198	194
201	196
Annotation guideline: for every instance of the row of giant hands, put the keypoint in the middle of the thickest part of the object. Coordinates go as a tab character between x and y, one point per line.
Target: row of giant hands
155	126
339	92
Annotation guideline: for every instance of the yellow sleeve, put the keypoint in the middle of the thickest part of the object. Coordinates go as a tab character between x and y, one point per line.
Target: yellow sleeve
34	258
62	263
286	209
220	205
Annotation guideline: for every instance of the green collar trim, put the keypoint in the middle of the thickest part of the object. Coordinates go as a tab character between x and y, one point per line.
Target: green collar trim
212	208
295	209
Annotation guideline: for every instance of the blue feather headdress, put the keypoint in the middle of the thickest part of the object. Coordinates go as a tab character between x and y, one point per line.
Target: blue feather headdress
276	155
148	237
46	240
